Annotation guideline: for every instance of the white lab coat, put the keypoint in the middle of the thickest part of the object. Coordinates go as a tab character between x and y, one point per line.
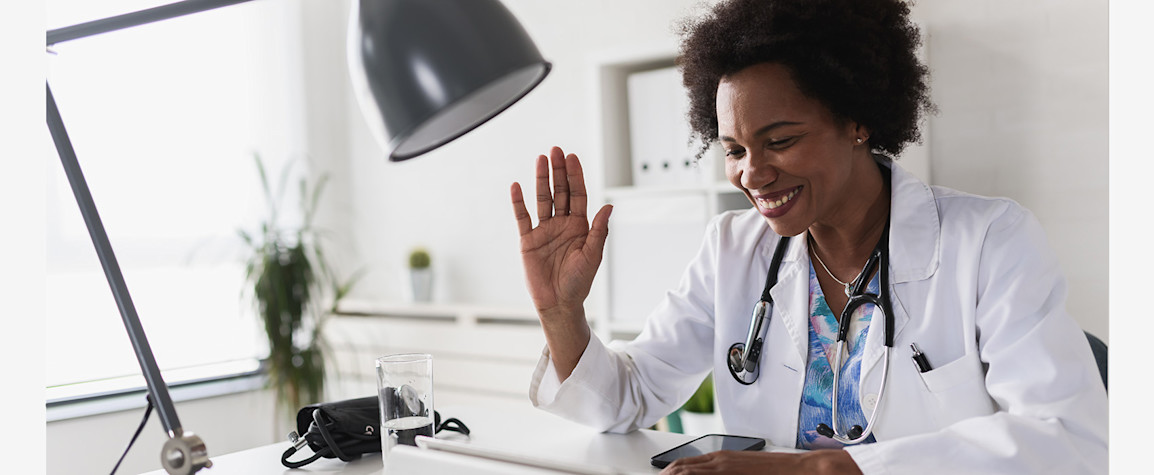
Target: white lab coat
1014	387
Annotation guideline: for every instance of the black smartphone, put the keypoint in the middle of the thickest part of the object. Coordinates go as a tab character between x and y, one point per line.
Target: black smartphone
706	444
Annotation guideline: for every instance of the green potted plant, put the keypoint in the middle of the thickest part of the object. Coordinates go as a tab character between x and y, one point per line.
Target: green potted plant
697	415
421	274
293	289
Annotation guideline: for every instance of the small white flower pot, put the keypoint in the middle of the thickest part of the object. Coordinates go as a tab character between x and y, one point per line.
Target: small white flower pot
421	281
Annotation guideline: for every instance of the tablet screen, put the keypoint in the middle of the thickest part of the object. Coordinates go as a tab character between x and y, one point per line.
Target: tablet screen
707	444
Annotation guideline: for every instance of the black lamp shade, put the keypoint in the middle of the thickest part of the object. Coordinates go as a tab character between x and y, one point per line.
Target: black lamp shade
428	71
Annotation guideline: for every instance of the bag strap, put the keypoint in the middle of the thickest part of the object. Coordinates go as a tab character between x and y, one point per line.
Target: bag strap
451	424
331	447
331	444
292	450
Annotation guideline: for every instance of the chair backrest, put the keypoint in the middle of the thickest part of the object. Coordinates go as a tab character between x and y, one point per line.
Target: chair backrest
1099	349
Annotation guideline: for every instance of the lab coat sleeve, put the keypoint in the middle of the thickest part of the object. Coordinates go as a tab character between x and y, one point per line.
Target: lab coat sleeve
1051	405
625	386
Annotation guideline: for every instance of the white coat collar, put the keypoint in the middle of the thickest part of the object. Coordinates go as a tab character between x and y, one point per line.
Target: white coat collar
915	230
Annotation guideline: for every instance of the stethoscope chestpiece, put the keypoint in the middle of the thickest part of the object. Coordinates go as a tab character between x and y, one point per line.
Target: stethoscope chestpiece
743	357
745	373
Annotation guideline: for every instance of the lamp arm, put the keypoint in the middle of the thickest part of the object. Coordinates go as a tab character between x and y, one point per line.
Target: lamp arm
156	386
184	453
137	18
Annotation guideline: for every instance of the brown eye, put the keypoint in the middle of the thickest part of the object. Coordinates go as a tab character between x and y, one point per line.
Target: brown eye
779	144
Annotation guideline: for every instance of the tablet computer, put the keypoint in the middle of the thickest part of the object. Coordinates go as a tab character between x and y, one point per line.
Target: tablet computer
706	444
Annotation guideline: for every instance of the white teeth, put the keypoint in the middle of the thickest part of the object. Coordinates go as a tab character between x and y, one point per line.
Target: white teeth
784	200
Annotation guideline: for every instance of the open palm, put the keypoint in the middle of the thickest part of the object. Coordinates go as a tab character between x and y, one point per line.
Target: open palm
561	255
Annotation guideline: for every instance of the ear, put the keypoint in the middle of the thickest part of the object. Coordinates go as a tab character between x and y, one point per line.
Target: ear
858	132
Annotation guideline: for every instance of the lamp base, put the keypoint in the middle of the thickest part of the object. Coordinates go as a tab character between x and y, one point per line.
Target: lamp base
184	454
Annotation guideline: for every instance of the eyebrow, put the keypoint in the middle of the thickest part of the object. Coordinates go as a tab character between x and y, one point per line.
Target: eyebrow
761	131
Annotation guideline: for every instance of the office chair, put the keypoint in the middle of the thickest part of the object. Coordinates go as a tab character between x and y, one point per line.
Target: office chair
1099	349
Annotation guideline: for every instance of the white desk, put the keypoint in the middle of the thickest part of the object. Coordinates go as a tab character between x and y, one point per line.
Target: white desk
519	429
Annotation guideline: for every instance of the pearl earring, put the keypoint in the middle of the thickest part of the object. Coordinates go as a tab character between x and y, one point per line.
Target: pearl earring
859	140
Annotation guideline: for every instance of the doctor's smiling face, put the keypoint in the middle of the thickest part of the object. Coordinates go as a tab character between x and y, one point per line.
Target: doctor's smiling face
793	159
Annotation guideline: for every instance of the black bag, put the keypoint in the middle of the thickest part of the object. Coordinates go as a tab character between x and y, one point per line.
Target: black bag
345	430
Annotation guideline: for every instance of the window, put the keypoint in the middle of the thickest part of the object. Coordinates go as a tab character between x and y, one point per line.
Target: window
165	119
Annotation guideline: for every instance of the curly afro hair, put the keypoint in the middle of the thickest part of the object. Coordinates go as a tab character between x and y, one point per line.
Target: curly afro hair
857	57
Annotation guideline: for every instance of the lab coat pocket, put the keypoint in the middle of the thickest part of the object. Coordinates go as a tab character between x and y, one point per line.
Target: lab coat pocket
959	390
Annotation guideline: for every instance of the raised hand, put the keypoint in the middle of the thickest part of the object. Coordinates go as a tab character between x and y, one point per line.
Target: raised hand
561	255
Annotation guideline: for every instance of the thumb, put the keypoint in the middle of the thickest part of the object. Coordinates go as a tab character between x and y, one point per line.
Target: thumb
598	233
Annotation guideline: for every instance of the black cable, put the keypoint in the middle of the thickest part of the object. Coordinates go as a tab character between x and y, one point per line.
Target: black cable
455	425
147	412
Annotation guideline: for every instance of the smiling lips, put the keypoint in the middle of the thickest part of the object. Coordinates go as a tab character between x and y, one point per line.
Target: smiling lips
776	204
775	200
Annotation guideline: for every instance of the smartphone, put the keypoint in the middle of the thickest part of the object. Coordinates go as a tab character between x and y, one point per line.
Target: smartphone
706	444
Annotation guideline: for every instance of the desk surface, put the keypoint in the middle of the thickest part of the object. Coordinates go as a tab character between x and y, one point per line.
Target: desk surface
519	429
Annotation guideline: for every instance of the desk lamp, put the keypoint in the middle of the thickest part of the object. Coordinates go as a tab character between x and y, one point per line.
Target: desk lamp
424	71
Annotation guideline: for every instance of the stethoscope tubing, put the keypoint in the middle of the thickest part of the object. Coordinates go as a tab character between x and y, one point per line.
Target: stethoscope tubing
878	260
869	428
742	358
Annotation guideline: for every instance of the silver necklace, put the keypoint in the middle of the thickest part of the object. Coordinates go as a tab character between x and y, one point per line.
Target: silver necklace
813	250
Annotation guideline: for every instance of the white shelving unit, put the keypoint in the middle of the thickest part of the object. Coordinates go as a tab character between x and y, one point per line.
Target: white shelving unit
482	355
656	229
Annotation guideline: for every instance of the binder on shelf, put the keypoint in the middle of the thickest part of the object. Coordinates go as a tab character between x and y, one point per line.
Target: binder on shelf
660	151
653	240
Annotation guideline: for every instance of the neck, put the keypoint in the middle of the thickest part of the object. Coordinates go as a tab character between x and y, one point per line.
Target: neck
845	240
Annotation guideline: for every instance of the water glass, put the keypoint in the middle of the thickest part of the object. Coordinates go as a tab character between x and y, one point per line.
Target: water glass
405	388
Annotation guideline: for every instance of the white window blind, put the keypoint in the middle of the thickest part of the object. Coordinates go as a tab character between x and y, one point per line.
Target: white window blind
165	119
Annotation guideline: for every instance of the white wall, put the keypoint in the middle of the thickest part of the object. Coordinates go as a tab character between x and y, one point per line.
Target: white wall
1023	92
1021	87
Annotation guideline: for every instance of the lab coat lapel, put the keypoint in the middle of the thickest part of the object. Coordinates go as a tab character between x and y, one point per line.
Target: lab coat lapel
915	238
915	229
791	300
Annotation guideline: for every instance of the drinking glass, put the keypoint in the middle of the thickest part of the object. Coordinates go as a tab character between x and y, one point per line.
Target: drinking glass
405	389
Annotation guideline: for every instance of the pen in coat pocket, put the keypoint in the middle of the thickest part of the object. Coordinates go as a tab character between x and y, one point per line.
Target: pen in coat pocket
920	361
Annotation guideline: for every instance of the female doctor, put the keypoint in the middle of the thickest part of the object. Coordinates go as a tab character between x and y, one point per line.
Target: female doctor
810	99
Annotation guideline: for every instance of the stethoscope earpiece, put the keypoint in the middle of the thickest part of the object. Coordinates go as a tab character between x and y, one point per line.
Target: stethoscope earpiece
855	431
824	430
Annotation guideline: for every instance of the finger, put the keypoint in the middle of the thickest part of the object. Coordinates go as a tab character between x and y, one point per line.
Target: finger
687	465
598	233
544	199
579	200
560	182
524	223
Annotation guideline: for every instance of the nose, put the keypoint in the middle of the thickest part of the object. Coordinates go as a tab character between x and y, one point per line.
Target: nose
756	171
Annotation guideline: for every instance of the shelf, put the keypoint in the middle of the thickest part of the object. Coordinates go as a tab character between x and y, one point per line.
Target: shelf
463	314
718	187
467	314
634	191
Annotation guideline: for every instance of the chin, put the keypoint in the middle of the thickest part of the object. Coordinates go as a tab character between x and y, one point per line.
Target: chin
783	228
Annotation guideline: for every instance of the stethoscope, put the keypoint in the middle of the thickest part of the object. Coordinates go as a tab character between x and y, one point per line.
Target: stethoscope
743	357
